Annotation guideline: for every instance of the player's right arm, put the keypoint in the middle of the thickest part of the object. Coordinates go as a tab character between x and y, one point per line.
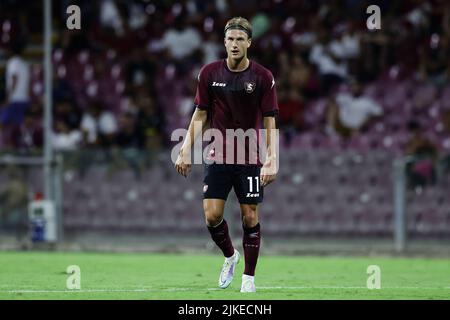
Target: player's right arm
183	163
198	122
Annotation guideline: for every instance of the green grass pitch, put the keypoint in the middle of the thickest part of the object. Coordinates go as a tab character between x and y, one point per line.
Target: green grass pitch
42	275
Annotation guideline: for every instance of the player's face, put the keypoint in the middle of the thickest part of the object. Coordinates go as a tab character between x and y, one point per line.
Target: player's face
237	43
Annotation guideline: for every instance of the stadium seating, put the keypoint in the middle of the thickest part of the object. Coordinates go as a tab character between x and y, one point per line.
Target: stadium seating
326	184
317	193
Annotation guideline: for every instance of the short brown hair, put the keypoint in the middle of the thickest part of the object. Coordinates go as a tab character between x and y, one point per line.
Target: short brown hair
239	23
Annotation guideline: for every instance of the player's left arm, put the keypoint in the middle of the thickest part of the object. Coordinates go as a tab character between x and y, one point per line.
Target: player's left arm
269	109
270	167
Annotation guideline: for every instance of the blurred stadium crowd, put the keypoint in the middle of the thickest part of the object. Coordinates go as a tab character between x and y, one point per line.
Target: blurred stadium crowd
351	101
128	77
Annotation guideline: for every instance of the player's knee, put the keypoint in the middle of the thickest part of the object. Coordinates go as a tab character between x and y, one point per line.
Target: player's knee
249	216
212	221
212	216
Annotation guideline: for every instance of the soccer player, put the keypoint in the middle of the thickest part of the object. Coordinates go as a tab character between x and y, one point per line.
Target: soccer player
235	93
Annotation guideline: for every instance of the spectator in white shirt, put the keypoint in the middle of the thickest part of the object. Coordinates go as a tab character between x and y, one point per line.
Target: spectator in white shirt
332	69
346	44
349	113
181	40
65	139
17	86
99	126
110	17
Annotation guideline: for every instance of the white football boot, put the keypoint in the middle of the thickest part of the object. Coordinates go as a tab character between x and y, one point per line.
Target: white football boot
228	268
248	283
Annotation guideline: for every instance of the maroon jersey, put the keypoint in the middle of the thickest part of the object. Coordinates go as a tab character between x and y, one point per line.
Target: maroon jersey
237	100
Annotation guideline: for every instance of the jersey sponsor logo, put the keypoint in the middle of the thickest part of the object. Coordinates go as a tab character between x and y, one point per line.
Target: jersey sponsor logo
218	84
205	188
252	195
249	86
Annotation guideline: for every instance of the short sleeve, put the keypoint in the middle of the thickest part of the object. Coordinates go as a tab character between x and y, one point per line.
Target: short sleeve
376	108
13	67
108	123
269	103
201	100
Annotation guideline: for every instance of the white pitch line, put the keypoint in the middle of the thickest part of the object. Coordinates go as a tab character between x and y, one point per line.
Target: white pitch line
349	287
208	289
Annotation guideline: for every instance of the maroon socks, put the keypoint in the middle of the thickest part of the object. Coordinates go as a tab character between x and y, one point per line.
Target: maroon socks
251	243
221	237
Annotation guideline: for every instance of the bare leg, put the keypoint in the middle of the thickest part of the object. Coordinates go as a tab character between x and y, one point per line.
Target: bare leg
213	209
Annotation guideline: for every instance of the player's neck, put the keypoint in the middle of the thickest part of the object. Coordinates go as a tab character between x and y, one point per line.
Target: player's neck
238	65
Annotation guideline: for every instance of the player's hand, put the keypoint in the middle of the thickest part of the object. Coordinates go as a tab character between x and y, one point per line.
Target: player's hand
182	165
268	172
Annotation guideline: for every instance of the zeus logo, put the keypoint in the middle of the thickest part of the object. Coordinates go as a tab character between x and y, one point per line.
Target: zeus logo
218	84
252	195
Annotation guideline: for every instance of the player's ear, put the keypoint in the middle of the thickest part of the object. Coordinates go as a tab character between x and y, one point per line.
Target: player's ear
249	42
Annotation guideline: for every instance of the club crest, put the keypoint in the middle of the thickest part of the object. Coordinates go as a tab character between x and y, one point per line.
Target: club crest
249	86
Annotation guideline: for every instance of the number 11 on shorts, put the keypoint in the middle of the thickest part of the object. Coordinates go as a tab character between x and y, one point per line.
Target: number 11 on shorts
250	183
